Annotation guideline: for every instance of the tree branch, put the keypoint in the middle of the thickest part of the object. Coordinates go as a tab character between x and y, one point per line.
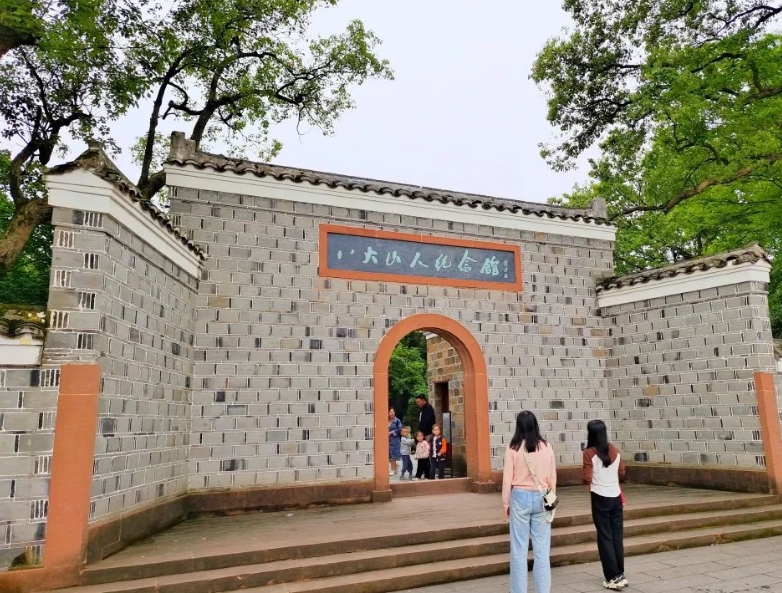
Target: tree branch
700	188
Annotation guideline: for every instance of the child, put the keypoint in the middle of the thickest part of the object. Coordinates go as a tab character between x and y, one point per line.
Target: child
439	448
407	463
422	455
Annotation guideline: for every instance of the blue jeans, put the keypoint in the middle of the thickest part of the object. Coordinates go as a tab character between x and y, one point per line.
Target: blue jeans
407	466
526	518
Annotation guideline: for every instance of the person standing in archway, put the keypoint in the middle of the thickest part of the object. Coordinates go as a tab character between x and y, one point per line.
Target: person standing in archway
394	441
426	419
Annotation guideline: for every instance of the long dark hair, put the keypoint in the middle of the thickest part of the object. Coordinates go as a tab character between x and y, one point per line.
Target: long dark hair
528	431
597	437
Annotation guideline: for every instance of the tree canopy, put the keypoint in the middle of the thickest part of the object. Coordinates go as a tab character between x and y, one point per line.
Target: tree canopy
229	72
684	101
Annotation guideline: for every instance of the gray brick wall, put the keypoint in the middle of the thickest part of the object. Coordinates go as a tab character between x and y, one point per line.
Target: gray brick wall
680	372
124	305
28	400
283	373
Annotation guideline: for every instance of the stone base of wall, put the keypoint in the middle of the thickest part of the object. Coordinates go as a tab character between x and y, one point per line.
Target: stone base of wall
111	536
733	479
278	498
711	478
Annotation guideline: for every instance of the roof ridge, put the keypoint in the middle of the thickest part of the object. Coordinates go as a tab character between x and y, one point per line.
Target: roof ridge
96	161
748	254
184	152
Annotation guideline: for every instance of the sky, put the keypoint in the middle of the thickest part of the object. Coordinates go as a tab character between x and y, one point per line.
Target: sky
461	114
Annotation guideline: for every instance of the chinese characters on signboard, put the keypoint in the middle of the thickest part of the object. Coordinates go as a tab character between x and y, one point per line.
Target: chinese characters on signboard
382	253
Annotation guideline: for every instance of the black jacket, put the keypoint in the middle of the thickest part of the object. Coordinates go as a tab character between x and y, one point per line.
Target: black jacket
426	419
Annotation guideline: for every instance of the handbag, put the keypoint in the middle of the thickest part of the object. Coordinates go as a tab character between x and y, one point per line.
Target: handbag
550	500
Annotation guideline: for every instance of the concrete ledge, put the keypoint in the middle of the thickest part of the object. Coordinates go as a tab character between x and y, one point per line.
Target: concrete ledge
711	477
277	498
111	536
430	487
485	487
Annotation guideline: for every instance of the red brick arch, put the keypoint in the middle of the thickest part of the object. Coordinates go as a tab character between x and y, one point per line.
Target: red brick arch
476	393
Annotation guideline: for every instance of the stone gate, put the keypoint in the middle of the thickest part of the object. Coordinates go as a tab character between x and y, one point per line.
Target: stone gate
234	355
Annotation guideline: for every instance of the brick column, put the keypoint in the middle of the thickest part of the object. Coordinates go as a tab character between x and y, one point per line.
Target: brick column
770	428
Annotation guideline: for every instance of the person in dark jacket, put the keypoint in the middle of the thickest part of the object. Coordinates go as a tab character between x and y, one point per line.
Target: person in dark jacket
426	418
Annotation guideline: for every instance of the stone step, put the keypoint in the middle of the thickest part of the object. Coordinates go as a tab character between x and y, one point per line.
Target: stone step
116	570
430	487
330	566
446	571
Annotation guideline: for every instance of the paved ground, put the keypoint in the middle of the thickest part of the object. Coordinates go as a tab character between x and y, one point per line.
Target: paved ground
744	567
205	535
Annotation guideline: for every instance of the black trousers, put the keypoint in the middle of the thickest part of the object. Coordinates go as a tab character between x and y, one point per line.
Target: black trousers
436	466
423	468
609	523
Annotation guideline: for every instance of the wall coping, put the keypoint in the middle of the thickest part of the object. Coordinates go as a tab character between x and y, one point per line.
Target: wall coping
191	177
22	350
732	273
79	189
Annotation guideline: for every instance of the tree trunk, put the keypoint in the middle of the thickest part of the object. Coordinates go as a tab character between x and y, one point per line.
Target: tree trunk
11	38
26	218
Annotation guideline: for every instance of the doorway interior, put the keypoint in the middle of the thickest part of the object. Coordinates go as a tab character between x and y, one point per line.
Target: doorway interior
475	394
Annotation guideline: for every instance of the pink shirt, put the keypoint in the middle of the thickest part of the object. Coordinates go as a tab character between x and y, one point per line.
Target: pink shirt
516	473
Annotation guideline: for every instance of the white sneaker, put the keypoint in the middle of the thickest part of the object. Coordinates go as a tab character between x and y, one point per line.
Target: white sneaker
390	473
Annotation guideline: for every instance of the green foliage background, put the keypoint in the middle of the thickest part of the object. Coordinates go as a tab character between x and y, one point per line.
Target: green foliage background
407	377
684	101
27	283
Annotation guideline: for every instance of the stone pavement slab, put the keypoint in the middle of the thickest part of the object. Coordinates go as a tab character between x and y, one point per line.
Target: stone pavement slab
744	567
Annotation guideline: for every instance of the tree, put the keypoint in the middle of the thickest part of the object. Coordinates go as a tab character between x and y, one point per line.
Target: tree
46	92
684	100
230	72
18	25
407	375
27	282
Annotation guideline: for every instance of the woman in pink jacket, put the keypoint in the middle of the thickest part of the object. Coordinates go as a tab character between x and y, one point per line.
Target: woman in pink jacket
523	502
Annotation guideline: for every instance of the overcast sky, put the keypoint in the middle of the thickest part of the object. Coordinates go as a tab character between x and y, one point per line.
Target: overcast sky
462	113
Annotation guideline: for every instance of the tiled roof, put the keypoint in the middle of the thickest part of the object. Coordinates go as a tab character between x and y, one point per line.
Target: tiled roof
183	152
95	160
749	254
20	321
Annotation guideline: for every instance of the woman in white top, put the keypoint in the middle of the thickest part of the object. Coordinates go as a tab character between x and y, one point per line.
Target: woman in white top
602	470
523	503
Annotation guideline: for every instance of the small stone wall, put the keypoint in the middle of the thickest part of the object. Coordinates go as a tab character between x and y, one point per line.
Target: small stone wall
118	301
680	373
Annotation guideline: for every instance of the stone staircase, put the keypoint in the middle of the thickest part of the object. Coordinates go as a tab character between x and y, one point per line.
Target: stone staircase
427	556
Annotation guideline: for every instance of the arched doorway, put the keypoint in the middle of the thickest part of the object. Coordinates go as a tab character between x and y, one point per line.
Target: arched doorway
476	396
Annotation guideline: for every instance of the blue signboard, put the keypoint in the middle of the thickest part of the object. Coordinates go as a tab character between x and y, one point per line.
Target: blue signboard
367	253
